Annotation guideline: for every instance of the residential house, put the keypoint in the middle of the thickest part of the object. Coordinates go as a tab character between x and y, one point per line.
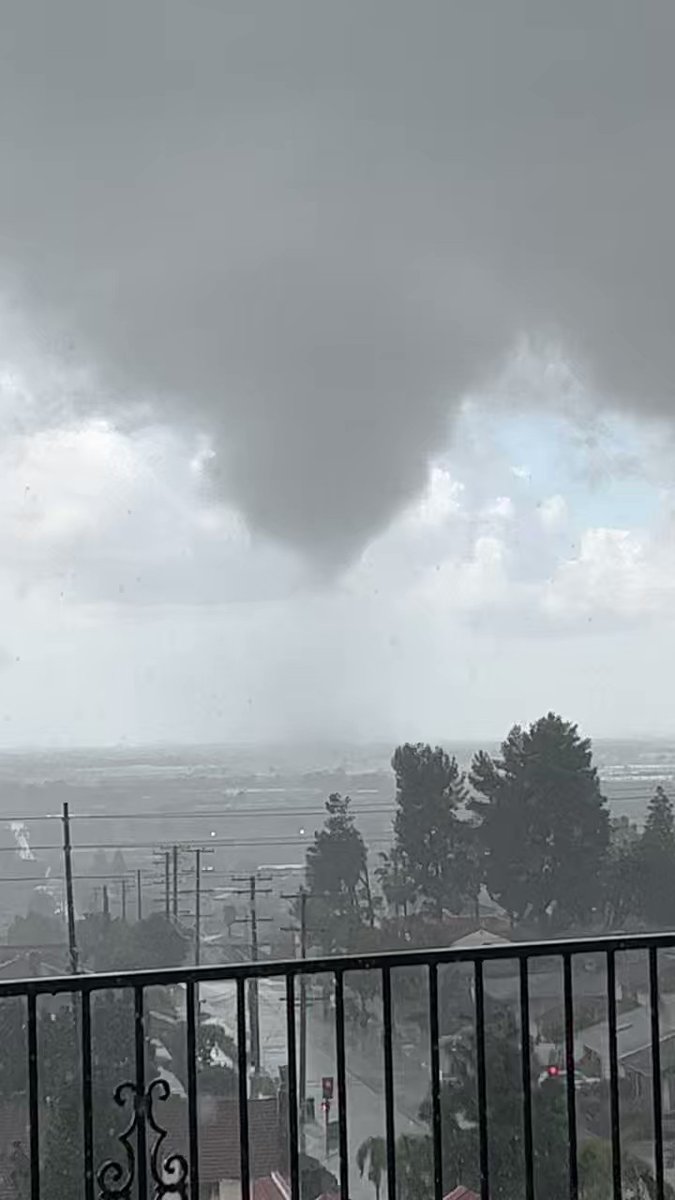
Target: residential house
633	1045
545	989
220	1154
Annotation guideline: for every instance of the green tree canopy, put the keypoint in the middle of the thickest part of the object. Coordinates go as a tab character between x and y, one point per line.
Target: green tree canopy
395	880
337	879
655	862
459	1115
113	945
595	1174
36	929
59	1082
544	824
435	849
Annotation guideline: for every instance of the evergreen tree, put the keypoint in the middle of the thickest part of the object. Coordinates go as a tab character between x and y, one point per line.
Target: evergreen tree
337	878
544	824
655	857
659	831
622	881
435	848
394	878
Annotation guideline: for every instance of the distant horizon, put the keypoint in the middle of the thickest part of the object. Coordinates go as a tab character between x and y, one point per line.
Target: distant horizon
287	746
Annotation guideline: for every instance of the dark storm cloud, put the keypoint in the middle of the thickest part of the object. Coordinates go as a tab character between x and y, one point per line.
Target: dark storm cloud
310	227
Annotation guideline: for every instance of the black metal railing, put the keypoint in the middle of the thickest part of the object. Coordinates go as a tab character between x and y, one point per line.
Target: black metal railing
146	1170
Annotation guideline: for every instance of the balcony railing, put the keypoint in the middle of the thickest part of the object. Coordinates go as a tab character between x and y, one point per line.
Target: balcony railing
149	1166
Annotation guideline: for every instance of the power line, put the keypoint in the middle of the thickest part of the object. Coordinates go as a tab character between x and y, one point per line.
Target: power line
372	807
232	843
369	809
117	878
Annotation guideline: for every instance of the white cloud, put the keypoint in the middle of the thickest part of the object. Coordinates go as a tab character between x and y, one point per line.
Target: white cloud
617	573
502	508
122	579
99	515
441	500
469	585
553	512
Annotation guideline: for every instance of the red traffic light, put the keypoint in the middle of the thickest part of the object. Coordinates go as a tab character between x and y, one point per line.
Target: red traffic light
553	1072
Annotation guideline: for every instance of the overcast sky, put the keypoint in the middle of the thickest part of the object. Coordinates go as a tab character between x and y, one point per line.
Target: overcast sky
336	368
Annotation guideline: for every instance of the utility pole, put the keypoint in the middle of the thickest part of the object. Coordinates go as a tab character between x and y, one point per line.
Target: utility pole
167	886
139	897
301	897
253	987
106	901
70	904
302	1082
253	1000
175	883
124	899
198	904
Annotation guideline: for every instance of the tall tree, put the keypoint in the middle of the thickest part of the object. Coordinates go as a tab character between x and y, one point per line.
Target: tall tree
659	828
656	862
435	847
394	878
544	824
337	878
622	882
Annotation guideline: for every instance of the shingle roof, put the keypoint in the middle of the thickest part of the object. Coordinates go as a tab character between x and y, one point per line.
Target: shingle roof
641	1060
547	985
633	1033
480	937
219	1153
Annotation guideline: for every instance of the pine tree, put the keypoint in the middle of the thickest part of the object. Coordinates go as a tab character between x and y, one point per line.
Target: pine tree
544	825
394	878
337	878
655	857
435	847
659	828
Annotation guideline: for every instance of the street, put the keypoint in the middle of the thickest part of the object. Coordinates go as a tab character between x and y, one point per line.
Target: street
364	1069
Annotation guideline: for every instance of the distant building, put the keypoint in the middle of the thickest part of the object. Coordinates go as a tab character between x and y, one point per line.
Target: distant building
480	937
